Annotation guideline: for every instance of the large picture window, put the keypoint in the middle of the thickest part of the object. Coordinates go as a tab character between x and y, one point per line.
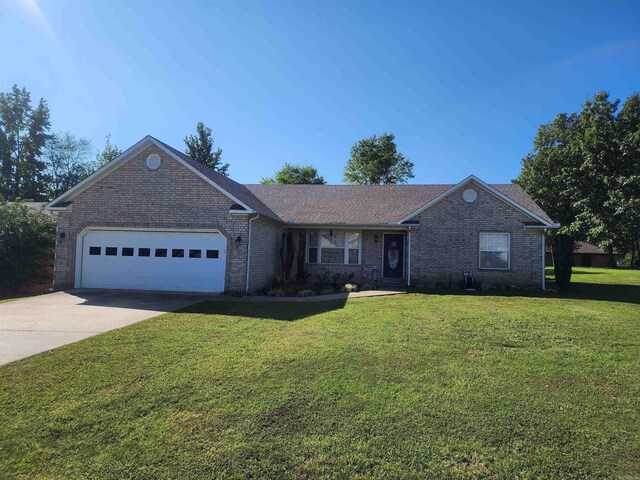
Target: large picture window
495	251
333	247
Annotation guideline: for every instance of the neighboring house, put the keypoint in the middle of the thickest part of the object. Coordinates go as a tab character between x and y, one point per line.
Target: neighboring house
155	219
586	255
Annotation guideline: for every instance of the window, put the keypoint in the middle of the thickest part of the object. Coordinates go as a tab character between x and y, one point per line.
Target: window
177	253
94	250
495	251
111	251
334	247
161	252
144	252
212	253
127	251
195	253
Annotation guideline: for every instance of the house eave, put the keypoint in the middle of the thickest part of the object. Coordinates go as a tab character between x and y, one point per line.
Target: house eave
347	226
540	226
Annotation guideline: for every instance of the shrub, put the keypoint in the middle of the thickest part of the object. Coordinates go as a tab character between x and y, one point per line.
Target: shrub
278	281
306	293
276	292
27	239
350	287
327	291
326	278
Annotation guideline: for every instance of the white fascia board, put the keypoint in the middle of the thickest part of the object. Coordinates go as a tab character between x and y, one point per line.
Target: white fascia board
116	162
489	189
342	226
542	227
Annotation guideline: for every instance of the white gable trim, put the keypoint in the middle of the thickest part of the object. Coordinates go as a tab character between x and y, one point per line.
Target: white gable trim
126	155
489	189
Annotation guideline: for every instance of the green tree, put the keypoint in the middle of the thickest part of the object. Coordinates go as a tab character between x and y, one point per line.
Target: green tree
23	133
107	154
67	162
26	246
597	177
549	169
296	175
626	196
584	170
200	148
376	161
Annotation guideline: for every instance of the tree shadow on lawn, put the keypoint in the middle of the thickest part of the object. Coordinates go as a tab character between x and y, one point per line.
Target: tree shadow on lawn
284	311
578	291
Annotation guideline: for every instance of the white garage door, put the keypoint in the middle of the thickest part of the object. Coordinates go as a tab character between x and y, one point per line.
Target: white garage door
158	260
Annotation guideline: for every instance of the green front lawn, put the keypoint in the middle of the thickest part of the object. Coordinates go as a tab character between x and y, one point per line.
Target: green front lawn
409	386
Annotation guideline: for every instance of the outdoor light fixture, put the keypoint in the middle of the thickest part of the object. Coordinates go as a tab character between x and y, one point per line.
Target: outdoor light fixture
331	233
375	238
238	241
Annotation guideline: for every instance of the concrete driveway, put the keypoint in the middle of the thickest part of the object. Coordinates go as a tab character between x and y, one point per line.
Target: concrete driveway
37	324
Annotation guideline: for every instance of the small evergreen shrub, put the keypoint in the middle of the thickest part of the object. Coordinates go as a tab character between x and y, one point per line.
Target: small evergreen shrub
306	293
327	291
350	287
276	292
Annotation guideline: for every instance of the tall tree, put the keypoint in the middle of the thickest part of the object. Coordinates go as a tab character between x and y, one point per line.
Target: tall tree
597	177
549	169
67	161
376	161
296	175
23	133
626	197
200	148
107	154
584	170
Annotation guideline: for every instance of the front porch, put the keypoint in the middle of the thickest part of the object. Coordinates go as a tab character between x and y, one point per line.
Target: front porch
371	255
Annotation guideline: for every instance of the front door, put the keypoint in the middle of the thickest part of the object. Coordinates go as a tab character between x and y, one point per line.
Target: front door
393	255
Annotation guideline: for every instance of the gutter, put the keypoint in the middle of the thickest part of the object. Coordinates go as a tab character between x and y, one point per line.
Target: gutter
409	260
544	254
542	227
246	287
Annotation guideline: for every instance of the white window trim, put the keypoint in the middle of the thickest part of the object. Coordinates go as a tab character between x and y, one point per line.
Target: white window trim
480	267
345	259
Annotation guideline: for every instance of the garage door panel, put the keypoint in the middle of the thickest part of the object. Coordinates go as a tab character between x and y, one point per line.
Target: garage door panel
169	261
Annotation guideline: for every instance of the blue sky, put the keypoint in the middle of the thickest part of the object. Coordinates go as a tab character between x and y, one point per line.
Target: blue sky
463	85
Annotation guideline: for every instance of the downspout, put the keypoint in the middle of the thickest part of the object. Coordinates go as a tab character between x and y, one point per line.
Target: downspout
246	287
409	260
544	254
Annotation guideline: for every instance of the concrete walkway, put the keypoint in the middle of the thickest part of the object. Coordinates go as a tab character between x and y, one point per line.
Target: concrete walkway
36	324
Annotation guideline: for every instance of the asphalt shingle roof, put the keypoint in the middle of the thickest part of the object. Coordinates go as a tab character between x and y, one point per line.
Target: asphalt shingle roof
341	204
363	204
241	192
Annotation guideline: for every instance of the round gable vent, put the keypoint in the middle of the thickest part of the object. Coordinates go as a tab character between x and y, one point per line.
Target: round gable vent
469	195
153	161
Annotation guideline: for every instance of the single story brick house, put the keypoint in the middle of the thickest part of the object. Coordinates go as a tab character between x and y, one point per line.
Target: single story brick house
155	219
